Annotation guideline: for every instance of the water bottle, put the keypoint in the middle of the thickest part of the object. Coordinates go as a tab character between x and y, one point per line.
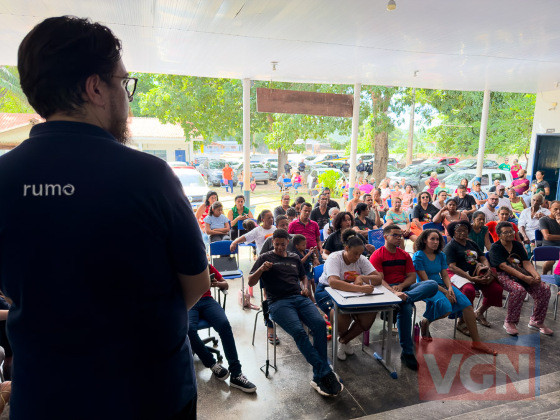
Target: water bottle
416	333
366	338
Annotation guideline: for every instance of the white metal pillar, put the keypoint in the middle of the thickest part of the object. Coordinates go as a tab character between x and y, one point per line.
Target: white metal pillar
411	130
483	129
354	139
246	139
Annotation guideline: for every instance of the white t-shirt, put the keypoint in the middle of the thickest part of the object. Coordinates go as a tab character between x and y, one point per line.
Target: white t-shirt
335	266
258	236
529	224
504	202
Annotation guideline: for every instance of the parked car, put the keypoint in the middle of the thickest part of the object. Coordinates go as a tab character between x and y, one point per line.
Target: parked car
272	170
179	164
487	180
417	175
441	160
194	185
390	161
471	164
391	170
259	171
212	171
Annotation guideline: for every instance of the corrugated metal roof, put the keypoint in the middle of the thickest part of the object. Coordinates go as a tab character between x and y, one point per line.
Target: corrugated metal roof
13	121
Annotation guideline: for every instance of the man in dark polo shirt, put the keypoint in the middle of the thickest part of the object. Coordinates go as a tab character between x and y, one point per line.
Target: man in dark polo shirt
321	214
100	251
465	202
330	203
281	274
399	276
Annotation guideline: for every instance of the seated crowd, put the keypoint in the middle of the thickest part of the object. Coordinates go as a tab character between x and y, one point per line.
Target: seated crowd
475	244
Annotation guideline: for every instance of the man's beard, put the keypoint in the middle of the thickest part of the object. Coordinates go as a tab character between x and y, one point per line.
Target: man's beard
118	127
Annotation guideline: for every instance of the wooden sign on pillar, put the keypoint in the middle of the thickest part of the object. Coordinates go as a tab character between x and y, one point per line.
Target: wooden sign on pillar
301	102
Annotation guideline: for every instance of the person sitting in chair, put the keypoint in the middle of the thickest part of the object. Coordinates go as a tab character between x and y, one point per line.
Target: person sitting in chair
209	310
281	274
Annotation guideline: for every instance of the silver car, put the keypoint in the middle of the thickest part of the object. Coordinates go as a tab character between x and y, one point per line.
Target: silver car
260	172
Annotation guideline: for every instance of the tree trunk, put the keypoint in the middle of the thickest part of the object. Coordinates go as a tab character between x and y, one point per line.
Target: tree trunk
381	157
282	159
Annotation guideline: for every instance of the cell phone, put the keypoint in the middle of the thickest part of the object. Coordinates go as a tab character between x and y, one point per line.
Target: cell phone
212	276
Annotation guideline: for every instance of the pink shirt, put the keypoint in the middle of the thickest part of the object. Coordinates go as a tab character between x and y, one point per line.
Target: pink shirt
406	200
557	270
310	231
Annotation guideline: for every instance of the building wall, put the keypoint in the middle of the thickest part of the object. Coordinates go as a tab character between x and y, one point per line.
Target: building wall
546	117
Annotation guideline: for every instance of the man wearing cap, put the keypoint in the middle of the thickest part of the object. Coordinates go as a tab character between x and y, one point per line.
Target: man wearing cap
489	209
502	200
479	196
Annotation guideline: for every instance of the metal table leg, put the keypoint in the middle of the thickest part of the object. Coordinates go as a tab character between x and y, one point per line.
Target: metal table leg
385	357
334	336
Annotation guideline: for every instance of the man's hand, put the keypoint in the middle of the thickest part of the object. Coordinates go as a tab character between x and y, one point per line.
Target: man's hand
366	288
233	247
222	285
266	266
370	248
402	296
397	288
305	292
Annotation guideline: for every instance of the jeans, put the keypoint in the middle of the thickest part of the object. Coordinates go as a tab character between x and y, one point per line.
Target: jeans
211	311
230	185
289	313
415	293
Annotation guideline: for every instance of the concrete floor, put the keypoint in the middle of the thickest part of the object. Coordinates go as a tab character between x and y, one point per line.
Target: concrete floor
369	390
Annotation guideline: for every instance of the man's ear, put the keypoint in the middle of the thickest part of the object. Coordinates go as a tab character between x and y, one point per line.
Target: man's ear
95	91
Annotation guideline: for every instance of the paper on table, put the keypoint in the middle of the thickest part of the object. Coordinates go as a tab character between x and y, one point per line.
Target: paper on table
376	291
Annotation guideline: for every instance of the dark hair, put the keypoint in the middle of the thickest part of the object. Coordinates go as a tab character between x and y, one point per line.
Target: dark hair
389	228
360	207
261	215
502	225
214	206
541	171
351	239
478	213
238	196
306	204
366	195
441	191
454	200
461	186
281	234
248	225
420	243
451	227
297	239
280	218
208	195
291	212
58	55
422	193
340	217
300	200
326	189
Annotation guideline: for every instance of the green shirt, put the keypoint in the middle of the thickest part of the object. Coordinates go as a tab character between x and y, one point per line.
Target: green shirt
504	167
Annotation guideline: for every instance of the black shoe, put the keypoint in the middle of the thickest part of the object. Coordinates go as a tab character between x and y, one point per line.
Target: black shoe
328	385
242	383
409	361
220	372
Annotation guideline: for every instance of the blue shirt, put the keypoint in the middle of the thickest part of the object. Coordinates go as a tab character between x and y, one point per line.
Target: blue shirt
216	222
92	234
432	268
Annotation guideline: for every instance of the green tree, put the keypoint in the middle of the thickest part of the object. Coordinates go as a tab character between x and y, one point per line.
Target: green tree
12	98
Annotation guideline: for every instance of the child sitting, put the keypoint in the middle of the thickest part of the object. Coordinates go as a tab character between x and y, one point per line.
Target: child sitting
309	259
291	213
216	224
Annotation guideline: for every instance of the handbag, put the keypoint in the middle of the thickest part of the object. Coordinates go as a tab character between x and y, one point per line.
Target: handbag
514	261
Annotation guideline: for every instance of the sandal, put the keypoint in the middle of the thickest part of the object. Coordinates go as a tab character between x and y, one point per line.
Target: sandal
425	330
462	328
272	338
482	320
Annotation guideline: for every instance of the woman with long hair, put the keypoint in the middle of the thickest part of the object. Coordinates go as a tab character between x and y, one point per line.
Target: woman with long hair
202	211
431	264
449	214
362	222
423	212
334	242
479	232
348	270
238	213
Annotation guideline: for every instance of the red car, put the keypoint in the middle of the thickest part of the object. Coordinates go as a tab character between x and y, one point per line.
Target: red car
441	160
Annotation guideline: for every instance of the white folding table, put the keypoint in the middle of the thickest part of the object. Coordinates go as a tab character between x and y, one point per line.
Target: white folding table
385	302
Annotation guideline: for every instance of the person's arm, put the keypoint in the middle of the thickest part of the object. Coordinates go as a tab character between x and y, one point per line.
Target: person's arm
239	240
336	283
194	286
546	191
536	277
258	269
549	237
440	216
199	211
471	211
487	242
524	235
224	230
416	221
4	314
230	217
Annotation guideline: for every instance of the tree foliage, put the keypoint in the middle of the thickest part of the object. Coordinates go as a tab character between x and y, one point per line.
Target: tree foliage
12	98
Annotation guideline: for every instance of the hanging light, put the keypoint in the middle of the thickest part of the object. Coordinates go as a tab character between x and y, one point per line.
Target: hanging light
391	5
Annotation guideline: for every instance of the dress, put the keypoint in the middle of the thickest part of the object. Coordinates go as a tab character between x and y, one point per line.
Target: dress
438	305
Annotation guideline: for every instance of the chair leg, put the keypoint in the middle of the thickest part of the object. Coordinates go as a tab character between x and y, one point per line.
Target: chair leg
556	302
455	327
413	320
255	327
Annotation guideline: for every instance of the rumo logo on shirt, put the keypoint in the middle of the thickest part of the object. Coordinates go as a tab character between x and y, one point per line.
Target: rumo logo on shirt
47	190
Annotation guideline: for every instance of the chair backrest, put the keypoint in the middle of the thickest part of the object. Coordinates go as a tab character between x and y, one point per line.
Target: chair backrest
538	235
221	248
389	203
432	225
318	272
321	235
546	253
376	238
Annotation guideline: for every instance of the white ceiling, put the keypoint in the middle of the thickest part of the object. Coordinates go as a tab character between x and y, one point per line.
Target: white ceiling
502	45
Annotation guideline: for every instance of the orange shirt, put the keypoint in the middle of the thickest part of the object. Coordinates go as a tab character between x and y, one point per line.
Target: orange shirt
227	173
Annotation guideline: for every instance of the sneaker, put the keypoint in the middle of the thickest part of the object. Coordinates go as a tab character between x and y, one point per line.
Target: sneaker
220	372
340	353
510	328
328	385
348	349
409	361
544	330
242	383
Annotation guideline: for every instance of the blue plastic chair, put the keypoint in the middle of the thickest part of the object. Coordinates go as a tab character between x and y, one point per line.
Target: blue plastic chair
240	227
287	182
376	238
221	249
548	253
318	272
389	203
539	238
432	225
321	235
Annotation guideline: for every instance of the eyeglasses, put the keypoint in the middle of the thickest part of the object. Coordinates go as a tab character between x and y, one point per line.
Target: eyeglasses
129	84
396	235
507	232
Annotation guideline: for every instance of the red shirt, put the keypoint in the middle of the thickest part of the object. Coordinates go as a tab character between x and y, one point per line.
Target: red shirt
218	277
310	231
394	267
494	234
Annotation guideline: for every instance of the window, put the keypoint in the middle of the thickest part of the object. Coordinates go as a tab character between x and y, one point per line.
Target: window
440	170
484	180
498	176
162	154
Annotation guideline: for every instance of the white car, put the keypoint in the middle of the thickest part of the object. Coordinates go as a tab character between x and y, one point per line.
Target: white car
320	170
488	178
194	185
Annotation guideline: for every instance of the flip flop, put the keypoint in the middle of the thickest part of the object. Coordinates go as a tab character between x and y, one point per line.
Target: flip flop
462	328
483	321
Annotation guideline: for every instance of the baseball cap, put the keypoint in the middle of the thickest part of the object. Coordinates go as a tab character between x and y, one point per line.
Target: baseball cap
500	187
476	183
